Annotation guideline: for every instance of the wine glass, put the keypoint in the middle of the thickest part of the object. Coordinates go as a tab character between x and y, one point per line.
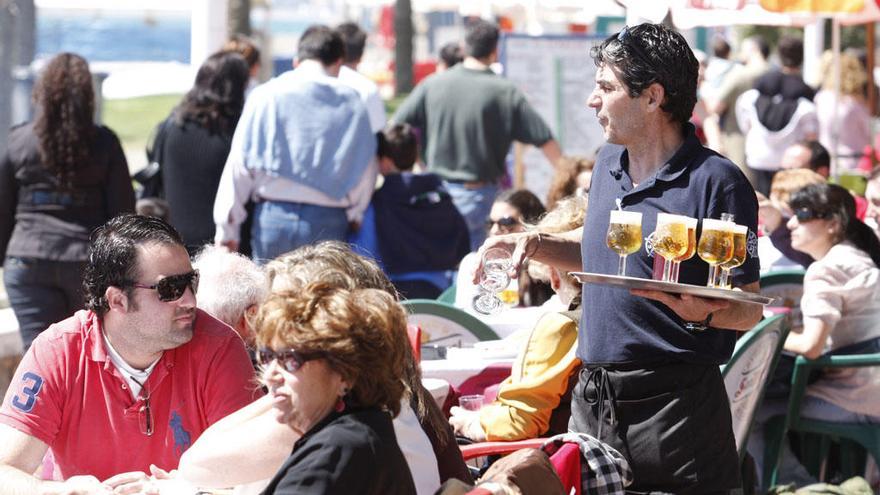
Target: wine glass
691	224
670	240
497	264
624	235
716	245
740	239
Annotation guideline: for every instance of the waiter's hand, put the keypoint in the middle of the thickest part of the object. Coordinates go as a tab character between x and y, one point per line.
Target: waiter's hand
687	307
514	243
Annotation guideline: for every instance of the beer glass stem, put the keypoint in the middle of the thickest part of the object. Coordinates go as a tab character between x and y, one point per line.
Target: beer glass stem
711	281
725	274
675	266
667	270
621	266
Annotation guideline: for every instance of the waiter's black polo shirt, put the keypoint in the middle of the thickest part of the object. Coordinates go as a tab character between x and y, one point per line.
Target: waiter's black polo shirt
617	327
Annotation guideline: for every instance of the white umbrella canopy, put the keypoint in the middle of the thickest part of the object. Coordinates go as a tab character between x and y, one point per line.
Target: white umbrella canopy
692	13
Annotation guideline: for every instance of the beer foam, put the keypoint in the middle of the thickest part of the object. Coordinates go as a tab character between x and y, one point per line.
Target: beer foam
626	217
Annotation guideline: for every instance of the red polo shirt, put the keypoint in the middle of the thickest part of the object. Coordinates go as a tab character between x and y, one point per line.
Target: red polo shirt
68	393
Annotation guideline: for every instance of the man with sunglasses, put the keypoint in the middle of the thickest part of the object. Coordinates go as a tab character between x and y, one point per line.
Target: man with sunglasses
650	385
128	383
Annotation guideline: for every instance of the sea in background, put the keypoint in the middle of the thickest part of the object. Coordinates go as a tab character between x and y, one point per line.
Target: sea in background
113	36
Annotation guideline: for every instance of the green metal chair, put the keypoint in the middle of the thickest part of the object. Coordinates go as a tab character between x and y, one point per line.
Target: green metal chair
787	287
448	295
748	372
444	323
865	435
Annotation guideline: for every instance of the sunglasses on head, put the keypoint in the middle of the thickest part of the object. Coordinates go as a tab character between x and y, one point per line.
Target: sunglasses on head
171	288
289	359
806	214
503	222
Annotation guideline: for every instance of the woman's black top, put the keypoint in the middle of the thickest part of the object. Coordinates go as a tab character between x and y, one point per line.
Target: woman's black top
39	217
354	453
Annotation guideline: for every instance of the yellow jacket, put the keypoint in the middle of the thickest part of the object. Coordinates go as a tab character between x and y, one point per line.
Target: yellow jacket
538	380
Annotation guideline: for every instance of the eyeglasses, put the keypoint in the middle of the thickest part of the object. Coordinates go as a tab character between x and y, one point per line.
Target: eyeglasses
145	415
172	288
289	359
505	223
806	214
625	35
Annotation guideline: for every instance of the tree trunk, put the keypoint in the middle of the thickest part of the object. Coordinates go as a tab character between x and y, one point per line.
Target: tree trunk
403	47
239	17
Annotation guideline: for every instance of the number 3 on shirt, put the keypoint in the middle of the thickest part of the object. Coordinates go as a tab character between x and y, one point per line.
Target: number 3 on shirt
28	396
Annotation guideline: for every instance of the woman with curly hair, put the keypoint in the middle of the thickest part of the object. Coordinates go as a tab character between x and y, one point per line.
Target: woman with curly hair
60	177
192	144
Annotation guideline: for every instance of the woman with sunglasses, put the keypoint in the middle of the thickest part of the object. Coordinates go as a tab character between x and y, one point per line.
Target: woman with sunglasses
61	177
840	315
511	212
333	361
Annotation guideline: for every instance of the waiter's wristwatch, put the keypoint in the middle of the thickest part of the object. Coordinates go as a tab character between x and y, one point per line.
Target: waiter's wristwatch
699	326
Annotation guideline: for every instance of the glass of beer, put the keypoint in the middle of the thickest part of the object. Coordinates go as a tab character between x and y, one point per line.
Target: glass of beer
624	235
691	224
740	240
497	264
716	245
670	240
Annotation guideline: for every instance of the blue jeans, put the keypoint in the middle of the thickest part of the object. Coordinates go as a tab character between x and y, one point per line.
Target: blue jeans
474	205
42	292
280	227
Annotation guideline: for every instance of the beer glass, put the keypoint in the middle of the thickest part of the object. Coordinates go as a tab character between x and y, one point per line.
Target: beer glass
740	240
716	245
691	224
624	235
670	240
497	264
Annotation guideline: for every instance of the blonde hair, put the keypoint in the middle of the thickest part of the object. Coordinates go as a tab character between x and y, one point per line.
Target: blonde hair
569	214
852	75
788	181
361	333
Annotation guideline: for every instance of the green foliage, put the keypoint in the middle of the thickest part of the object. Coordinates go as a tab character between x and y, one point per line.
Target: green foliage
133	119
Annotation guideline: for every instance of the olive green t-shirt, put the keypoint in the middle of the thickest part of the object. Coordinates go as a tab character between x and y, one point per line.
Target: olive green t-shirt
468	119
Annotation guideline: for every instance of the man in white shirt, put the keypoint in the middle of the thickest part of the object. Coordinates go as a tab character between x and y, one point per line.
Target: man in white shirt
355	40
303	152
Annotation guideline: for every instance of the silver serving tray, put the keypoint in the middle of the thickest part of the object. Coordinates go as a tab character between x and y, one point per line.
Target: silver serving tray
648	284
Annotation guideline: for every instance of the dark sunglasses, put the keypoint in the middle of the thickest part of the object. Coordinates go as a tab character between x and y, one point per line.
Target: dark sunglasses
806	214
289	359
172	288
503	222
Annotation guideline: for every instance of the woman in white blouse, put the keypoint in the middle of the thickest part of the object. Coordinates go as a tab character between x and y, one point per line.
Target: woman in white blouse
841	308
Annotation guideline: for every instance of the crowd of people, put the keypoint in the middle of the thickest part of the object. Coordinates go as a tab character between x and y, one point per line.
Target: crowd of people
241	326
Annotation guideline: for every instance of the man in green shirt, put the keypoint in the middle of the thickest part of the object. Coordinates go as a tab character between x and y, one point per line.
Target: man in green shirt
469	117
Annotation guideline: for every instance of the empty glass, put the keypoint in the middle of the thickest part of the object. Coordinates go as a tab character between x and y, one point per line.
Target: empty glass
497	264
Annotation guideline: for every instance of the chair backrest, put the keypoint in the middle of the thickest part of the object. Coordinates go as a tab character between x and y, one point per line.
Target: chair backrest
448	295
748	372
445	324
787	287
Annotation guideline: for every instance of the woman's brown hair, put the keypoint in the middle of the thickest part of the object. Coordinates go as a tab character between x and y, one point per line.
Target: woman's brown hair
64	123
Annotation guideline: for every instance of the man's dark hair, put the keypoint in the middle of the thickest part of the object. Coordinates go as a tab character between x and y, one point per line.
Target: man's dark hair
819	156
113	254
720	47
791	51
355	40
480	39
398	142
322	44
451	54
652	53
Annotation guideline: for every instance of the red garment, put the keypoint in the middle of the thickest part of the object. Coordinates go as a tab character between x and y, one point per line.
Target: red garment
67	393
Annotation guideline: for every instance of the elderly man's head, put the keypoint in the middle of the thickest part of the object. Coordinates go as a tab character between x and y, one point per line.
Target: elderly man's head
232	286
